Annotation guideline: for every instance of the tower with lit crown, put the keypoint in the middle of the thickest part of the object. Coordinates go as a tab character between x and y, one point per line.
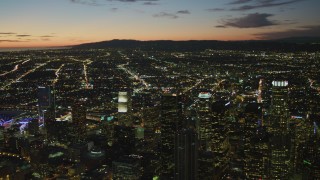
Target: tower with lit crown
280	164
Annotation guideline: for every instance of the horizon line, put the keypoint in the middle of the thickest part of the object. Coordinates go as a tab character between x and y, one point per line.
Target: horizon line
69	46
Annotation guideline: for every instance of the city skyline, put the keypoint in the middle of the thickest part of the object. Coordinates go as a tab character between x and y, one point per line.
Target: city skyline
36	23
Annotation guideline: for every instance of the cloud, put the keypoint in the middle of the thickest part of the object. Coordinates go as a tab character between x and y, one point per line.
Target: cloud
23	35
45	39
215	9
264	4
166	15
303	31
47	36
220	26
171	15
7	40
250	21
150	3
101	2
7	33
240	1
134	0
183	12
114	9
86	2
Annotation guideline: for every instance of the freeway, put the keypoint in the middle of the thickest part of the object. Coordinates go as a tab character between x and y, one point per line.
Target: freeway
57	75
23	75
85	69
16	67
133	75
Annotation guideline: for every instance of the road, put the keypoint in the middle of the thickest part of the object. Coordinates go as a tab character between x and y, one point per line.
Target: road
23	75
16	67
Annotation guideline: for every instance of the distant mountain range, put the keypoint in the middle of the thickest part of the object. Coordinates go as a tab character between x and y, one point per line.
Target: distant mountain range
286	44
308	40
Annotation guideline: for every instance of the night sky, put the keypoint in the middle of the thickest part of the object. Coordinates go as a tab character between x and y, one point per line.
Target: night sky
38	23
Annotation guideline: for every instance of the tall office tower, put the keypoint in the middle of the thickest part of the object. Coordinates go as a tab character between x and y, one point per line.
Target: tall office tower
280	142
186	155
47	112
124	140
280	164
313	100
311	158
171	122
79	121
204	120
124	109
220	144
255	144
300	130
49	122
45	97
279	115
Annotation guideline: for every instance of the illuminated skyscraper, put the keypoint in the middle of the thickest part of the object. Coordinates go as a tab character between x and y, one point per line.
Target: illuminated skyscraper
186	155
79	121
279	107
280	164
311	158
44	96
171	122
49	122
45	101
255	143
124	108
204	120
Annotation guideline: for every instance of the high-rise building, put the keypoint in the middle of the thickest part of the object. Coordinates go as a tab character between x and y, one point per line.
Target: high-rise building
279	107
280	142
124	140
49	122
186	155
124	108
79	120
255	142
45	102
310	160
171	122
204	120
214	146
44	96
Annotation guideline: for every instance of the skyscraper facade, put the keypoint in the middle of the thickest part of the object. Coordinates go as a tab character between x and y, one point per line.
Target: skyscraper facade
186	155
79	121
171	122
280	164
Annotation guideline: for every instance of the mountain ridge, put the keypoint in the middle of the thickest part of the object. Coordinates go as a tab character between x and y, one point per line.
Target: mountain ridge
285	44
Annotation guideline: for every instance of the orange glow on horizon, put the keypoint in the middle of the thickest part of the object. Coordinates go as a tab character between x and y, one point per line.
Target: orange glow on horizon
69	43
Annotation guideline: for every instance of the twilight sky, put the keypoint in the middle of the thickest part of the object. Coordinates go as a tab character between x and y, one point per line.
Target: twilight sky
37	23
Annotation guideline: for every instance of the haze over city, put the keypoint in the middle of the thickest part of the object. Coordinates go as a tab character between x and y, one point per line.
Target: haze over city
44	23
